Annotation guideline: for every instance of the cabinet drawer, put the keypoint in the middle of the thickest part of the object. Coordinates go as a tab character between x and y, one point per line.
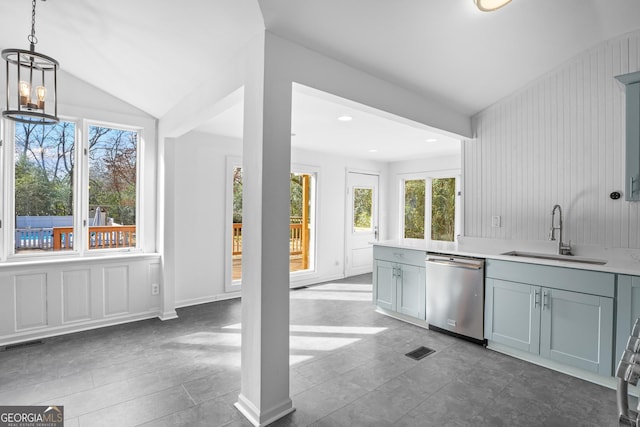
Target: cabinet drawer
403	256
568	279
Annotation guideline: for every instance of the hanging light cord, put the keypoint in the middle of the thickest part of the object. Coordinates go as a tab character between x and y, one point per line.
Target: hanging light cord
33	40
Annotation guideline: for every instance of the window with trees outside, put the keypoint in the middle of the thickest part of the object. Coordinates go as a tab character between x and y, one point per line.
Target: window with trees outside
51	170
301	187
430	213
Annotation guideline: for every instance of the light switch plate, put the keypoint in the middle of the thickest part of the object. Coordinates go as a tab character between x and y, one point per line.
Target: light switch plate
495	221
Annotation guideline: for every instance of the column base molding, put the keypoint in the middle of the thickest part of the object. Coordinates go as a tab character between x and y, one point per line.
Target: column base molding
263	418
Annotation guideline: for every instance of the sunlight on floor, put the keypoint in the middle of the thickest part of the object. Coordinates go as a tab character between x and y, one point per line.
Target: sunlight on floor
307	341
363	330
330	338
336	292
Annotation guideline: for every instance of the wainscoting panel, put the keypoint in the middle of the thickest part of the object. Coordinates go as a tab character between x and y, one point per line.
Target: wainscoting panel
76	295
31	301
561	140
116	290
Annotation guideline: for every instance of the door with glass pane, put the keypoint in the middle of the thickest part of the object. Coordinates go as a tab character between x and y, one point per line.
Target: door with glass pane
362	222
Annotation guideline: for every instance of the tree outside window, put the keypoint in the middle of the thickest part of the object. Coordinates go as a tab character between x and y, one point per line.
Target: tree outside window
414	201
443	209
44	181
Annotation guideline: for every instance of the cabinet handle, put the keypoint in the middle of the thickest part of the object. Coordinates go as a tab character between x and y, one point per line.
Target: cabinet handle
536	298
545	300
399	273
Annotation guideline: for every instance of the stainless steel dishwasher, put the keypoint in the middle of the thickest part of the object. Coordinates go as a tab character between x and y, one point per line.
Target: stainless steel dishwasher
455	295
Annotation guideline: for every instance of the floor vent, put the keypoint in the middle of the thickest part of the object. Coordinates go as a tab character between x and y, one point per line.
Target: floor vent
20	345
420	353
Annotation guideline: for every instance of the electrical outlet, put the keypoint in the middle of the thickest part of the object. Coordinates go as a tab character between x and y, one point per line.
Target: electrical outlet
155	289
495	221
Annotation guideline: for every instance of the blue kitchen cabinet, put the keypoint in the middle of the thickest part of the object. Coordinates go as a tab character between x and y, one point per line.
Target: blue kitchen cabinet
557	313
628	309
384	279
577	329
512	315
632	154
411	288
399	282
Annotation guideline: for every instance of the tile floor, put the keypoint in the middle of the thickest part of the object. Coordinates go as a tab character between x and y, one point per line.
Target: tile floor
348	368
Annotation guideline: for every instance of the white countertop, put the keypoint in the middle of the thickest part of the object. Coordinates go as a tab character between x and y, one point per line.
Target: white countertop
619	260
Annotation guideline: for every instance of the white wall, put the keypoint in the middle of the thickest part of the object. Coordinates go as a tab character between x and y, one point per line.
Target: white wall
559	140
197	170
44	297
197	173
400	170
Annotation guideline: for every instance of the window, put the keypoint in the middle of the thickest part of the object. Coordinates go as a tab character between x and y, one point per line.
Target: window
301	220
113	155
44	163
433	213
414	200
443	209
362	209
49	207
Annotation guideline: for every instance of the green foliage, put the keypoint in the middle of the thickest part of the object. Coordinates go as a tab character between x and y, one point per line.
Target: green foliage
295	191
113	172
443	204
44	169
237	195
414	209
362	207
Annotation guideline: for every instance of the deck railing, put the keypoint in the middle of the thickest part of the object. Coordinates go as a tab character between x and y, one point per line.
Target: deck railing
296	239
100	237
61	238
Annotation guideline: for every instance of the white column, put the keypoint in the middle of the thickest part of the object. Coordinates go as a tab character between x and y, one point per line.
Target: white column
264	395
166	227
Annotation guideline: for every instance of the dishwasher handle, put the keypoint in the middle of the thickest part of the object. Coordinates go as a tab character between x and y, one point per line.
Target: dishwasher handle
473	265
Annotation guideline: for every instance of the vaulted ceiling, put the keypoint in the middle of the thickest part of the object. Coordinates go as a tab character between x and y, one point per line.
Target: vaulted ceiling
153	53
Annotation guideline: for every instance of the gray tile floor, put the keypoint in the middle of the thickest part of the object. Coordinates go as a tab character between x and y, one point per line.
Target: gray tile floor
348	368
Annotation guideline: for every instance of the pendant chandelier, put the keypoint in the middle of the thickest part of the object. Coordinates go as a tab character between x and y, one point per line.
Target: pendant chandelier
30	77
490	5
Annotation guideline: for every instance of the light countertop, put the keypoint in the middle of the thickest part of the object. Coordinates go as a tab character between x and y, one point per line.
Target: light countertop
619	260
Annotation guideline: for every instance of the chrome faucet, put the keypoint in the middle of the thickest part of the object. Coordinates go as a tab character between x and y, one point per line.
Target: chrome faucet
563	249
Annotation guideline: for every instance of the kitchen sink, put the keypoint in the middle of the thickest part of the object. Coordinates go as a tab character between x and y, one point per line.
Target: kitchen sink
554	257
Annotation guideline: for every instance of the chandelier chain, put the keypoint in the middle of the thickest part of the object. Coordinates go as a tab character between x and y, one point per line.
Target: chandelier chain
32	37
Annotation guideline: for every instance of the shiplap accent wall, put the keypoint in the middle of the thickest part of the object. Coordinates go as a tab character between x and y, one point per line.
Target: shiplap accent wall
559	140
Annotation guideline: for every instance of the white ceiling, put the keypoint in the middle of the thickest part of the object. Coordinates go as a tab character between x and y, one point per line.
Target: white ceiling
152	53
371	134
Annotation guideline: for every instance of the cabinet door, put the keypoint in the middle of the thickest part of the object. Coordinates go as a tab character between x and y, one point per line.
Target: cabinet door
411	291
384	279
512	314
633	143
577	329
628	310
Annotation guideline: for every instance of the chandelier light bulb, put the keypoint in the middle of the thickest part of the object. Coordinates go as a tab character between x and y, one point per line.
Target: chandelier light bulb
25	92
41	92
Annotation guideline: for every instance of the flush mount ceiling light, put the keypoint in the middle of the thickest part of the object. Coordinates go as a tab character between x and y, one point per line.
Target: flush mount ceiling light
490	5
345	118
26	69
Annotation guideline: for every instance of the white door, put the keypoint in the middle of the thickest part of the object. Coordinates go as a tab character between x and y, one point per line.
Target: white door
362	222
